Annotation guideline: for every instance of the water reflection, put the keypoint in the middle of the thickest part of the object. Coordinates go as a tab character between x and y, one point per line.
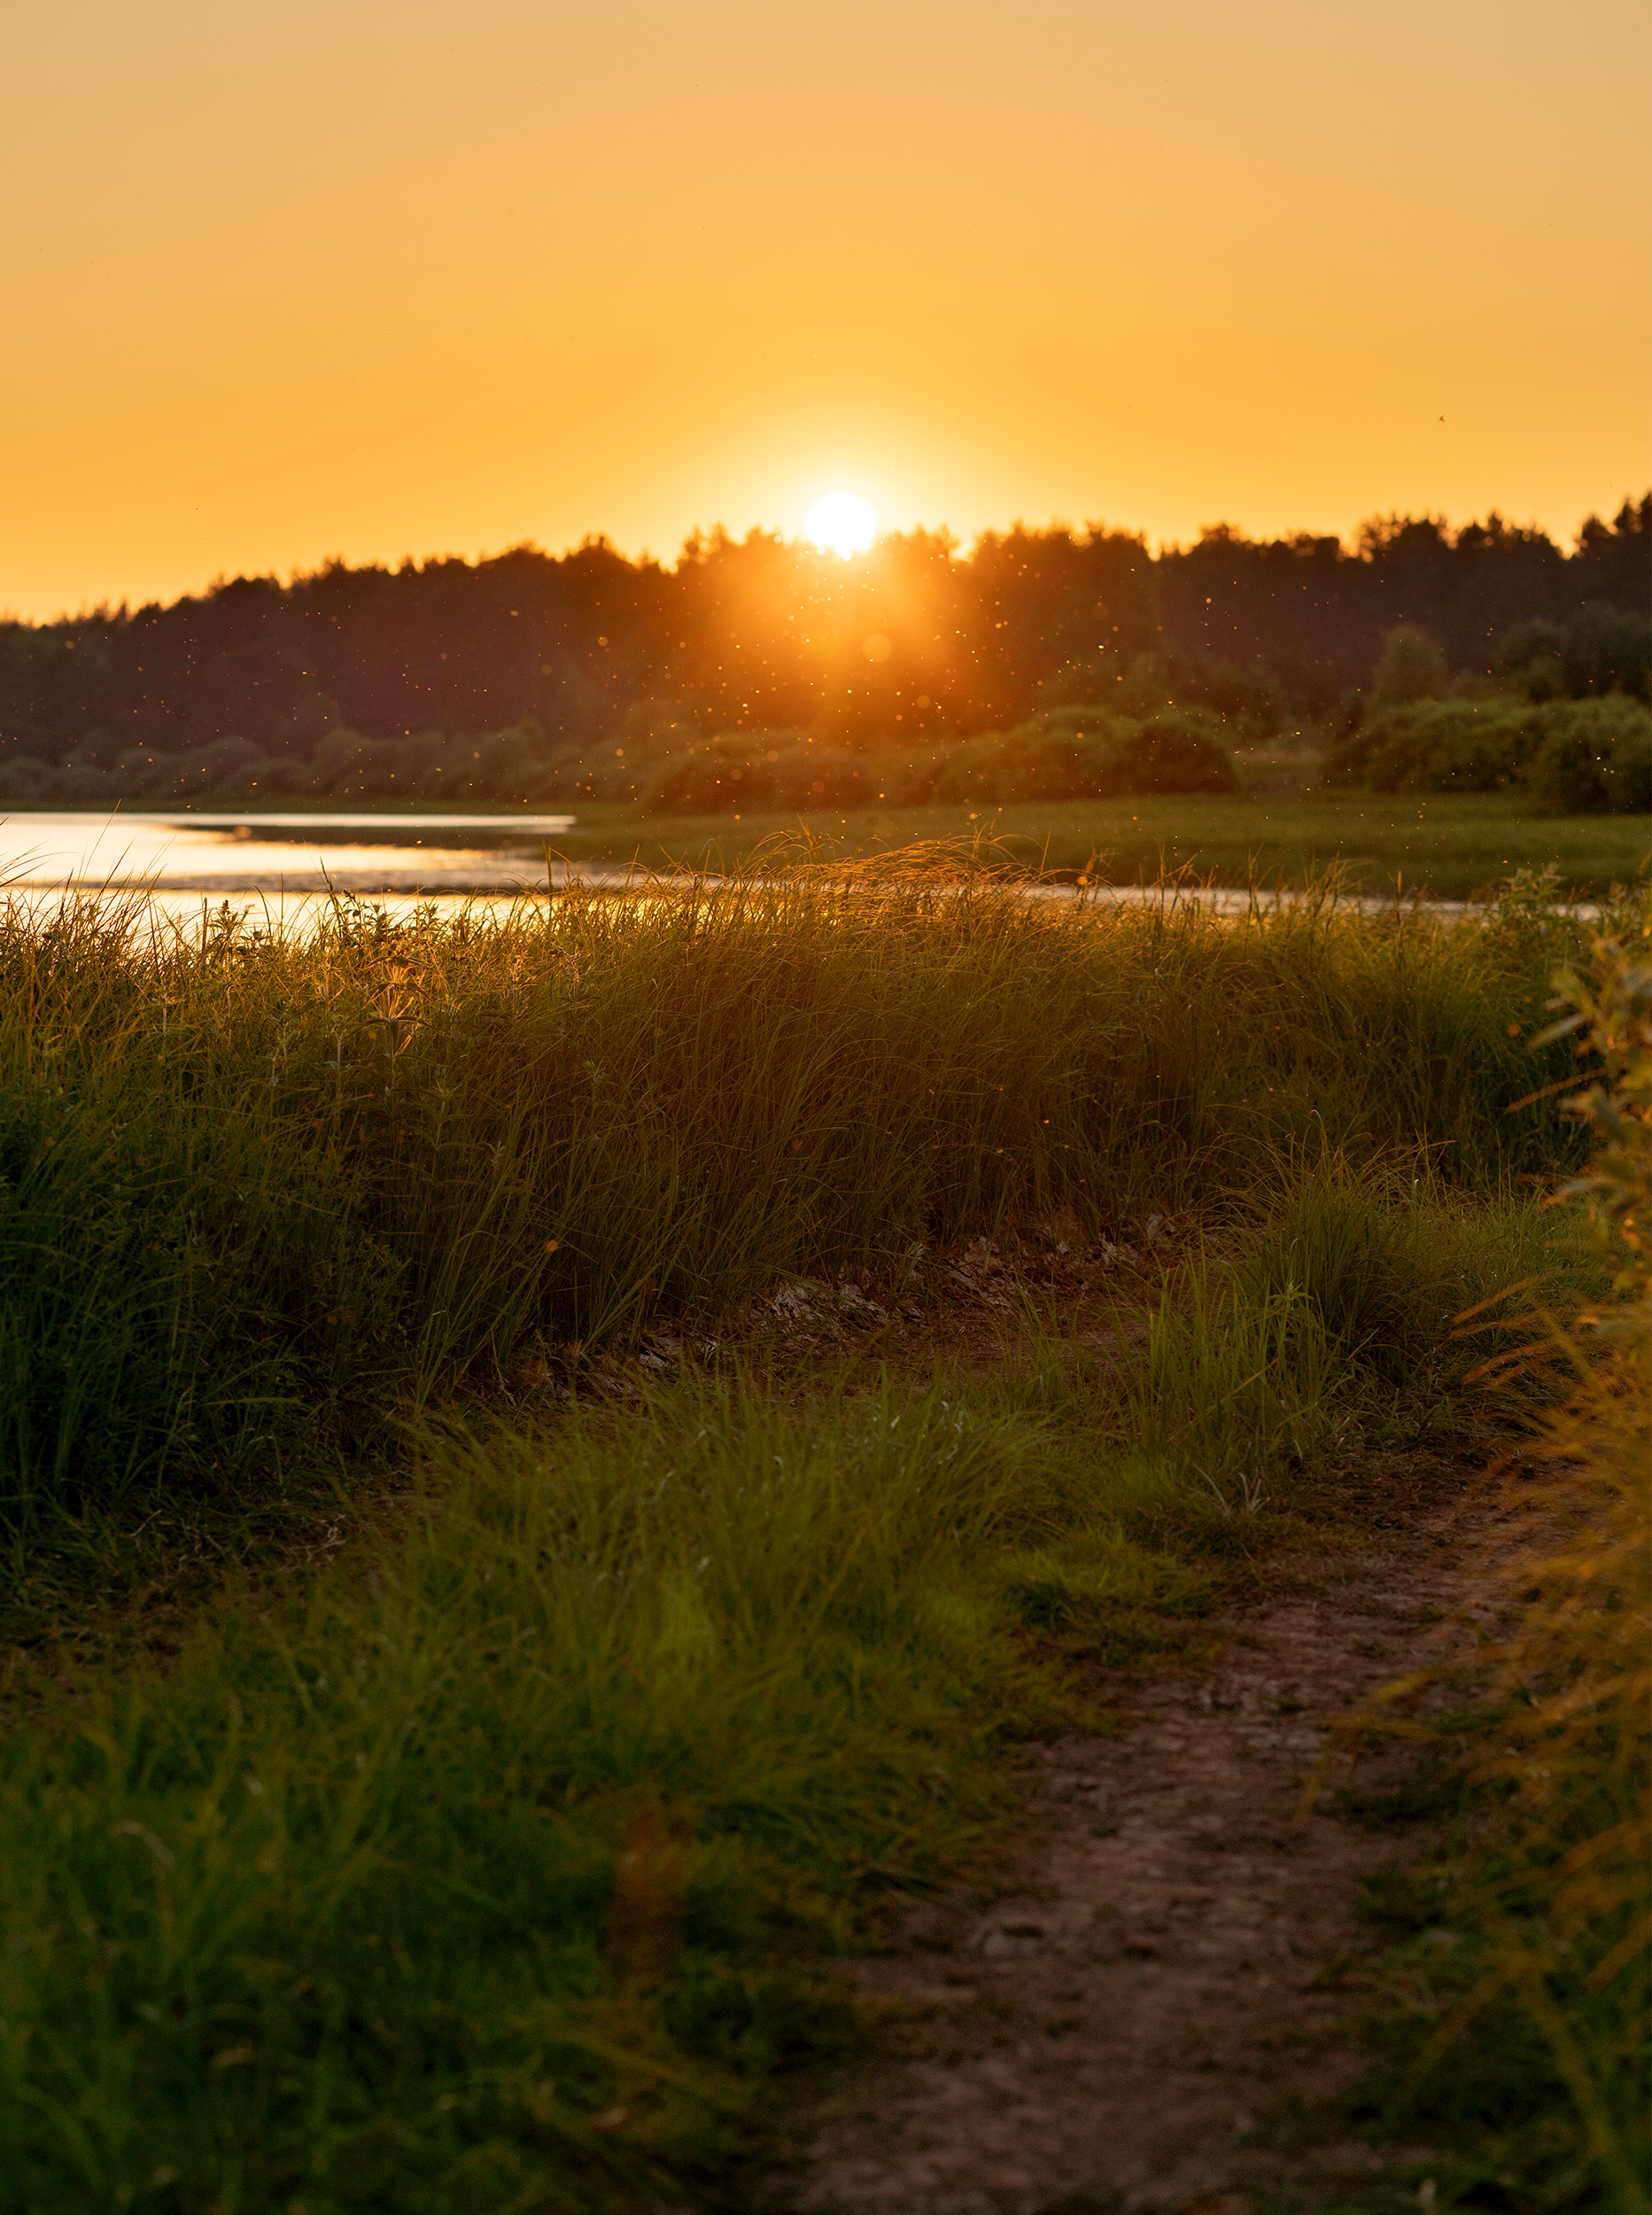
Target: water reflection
278	854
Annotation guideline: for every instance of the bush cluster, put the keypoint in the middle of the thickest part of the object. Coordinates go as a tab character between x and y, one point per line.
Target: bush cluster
493	766
1568	757
662	760
1076	753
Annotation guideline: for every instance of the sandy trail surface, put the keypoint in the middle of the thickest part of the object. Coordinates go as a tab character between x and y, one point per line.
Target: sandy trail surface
1174	1954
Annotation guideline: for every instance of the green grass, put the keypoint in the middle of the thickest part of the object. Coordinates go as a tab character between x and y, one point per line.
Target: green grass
1451	845
259	1193
336	1914
493	1864
491	1870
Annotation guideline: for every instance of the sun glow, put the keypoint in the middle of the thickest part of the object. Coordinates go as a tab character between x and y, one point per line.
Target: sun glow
843	521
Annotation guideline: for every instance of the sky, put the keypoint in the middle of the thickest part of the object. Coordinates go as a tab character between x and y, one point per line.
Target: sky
376	280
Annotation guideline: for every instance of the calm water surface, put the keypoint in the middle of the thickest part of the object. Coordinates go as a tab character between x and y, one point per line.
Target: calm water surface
224	854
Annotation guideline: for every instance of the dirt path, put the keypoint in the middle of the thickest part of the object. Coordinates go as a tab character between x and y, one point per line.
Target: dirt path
1161	1973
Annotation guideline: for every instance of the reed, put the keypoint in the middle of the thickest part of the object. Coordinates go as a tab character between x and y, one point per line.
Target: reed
262	1189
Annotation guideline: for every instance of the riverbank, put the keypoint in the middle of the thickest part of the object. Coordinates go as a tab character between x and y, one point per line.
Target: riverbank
1443	848
1449	847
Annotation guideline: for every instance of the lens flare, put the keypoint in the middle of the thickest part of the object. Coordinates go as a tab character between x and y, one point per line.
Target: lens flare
843	521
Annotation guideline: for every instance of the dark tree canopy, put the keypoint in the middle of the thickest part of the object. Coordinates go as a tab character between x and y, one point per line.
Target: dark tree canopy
756	633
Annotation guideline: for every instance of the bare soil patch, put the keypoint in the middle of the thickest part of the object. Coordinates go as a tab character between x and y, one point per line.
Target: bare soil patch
1172	1954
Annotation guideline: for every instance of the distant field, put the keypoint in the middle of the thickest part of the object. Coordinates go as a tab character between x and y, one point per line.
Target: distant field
1451	846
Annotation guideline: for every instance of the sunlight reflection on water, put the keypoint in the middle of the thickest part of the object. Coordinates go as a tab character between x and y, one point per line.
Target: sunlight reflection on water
275	854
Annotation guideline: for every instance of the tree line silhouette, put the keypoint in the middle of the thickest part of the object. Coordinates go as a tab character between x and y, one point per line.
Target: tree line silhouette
564	655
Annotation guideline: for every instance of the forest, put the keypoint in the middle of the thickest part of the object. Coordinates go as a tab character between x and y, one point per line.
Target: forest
804	677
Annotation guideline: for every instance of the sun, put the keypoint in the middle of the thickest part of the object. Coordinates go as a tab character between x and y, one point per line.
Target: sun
843	521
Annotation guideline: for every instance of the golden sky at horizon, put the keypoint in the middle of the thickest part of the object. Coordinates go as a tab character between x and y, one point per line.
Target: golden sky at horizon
372	280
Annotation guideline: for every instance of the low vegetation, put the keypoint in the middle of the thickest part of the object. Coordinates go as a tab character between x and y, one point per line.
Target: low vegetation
1517	2035
489	1865
1284	828
1565	758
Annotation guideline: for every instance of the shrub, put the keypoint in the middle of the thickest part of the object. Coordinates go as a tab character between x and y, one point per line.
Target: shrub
1576	769
958	769
1411	667
24	781
1530	659
223	771
1175	751
1085	753
765	769
1438	746
1566	754
514	765
1629	769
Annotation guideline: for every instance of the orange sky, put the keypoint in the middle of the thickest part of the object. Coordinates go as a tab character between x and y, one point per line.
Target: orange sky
371	279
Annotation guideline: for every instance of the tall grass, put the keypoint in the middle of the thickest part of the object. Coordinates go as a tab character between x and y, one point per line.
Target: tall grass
1331	1322
1534	2047
485	1868
258	1190
488	1871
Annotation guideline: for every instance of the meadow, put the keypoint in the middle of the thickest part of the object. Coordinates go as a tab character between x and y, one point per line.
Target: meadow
1452	846
466	1677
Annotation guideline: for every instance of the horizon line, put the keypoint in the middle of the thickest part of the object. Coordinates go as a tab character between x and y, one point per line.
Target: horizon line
1088	532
